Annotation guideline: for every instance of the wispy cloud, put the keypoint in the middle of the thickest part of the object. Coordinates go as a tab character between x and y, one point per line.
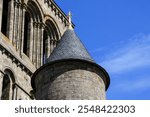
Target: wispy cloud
137	85
129	56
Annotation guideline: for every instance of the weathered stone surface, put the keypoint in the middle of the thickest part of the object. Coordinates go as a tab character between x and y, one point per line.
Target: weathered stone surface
12	56
21	78
70	80
28	42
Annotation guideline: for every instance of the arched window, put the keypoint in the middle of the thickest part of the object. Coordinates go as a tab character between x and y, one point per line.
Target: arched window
7	85
26	34
50	39
6	88
4	17
33	47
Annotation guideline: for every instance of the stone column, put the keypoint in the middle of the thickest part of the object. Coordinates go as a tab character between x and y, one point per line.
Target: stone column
54	43
1	11
41	44
51	46
14	94
1	83
31	38
15	31
48	45
19	27
34	42
11	91
38	45
22	28
10	20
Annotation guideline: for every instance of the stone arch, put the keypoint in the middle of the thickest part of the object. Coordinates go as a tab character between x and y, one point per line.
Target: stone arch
33	30
35	10
10	74
8	88
50	38
53	24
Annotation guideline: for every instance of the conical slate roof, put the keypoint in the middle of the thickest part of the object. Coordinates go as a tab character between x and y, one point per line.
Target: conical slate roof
70	47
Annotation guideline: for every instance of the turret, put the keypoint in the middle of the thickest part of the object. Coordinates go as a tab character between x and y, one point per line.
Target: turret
70	73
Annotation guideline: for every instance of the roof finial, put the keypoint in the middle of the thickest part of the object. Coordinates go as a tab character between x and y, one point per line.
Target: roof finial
70	22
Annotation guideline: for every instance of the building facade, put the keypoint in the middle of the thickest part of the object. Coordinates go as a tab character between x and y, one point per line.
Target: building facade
29	32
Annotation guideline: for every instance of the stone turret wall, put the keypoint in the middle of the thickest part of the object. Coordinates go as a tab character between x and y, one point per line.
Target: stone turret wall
72	80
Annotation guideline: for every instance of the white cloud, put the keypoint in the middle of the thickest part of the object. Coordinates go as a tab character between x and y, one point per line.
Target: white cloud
134	54
136	85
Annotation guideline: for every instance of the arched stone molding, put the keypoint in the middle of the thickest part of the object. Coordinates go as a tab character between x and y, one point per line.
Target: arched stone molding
34	40
9	90
48	17
37	5
51	37
36	10
34	31
56	10
17	28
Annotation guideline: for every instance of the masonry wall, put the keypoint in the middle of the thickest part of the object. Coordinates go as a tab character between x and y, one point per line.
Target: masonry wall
12	56
69	81
22	79
43	16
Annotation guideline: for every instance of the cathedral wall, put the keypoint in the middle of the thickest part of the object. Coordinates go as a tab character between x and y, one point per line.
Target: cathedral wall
22	80
26	24
52	12
22	45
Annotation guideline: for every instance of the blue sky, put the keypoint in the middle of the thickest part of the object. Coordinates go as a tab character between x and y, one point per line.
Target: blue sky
117	35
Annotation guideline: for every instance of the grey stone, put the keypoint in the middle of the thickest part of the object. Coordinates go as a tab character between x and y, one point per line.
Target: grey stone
79	78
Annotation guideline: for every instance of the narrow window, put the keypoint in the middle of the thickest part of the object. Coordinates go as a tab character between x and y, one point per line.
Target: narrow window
4	17
26	34
6	88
